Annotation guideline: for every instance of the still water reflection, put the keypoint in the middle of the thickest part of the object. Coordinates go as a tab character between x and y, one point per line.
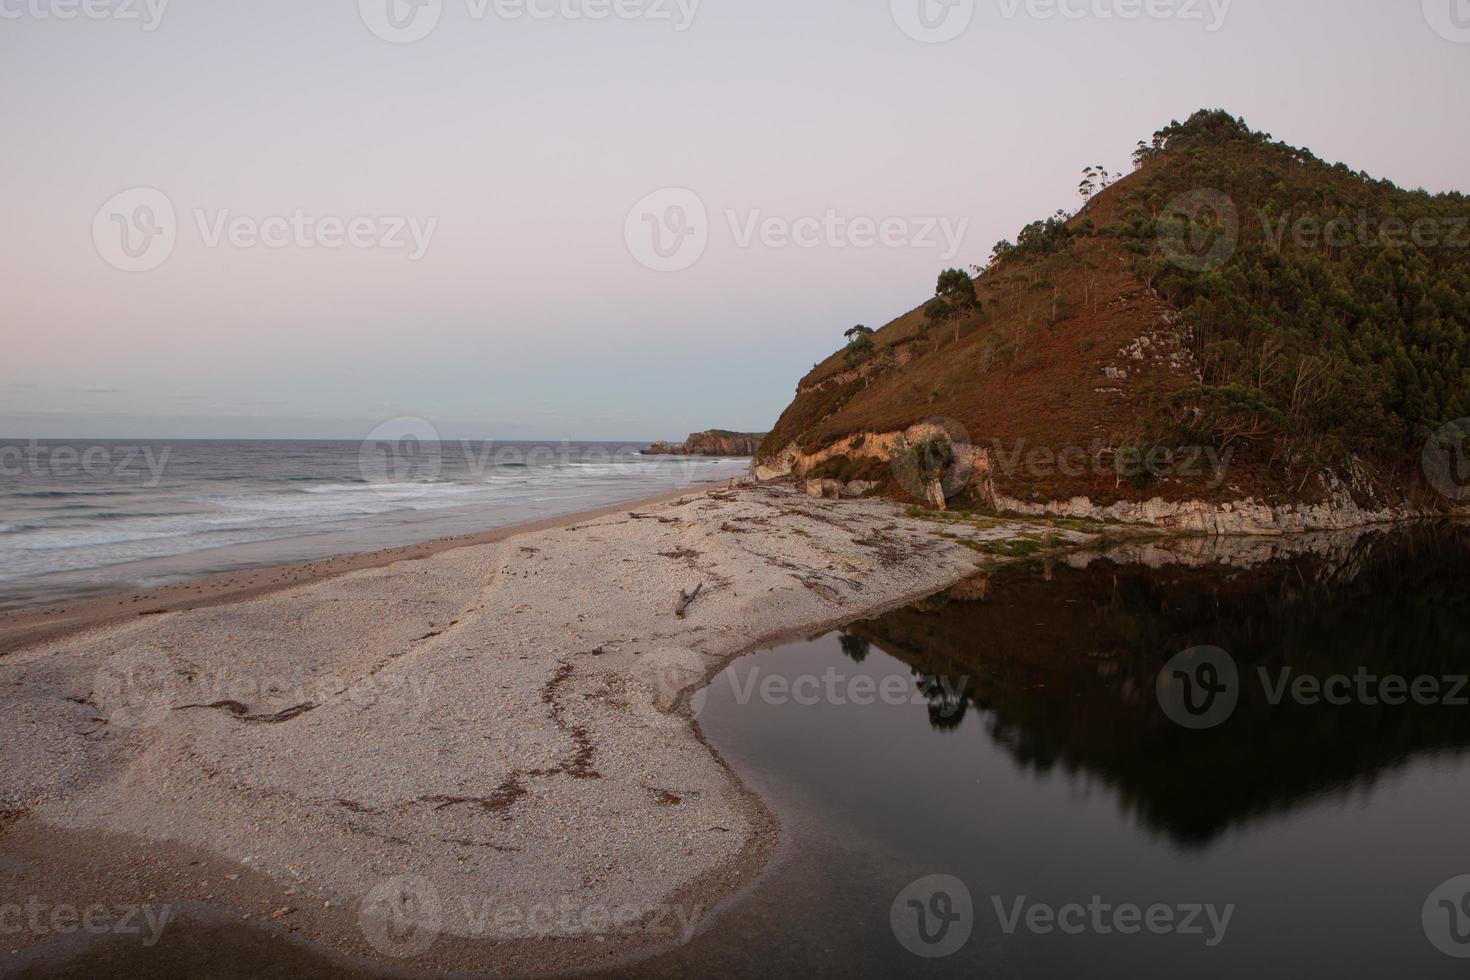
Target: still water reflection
1028	758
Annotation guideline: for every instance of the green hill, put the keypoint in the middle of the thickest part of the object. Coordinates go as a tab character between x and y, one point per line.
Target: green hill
1233	298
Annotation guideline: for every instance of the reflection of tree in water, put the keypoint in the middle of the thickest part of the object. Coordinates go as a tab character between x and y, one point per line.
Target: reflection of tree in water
947	707
855	647
1064	671
947	704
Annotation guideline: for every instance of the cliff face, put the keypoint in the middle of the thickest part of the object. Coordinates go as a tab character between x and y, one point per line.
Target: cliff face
1168	346
716	442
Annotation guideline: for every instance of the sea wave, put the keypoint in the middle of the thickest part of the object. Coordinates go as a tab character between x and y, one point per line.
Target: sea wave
220	498
64	494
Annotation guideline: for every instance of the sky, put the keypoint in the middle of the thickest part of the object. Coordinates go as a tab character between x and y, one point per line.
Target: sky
592	219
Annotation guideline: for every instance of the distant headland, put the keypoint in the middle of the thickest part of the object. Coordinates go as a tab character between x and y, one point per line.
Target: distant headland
715	442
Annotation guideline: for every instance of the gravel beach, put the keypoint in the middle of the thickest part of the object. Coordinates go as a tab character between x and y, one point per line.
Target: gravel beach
480	759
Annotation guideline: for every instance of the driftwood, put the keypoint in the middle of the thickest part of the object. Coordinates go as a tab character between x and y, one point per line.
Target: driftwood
686	599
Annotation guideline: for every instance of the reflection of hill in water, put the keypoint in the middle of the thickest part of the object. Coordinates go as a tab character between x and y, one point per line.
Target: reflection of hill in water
1064	665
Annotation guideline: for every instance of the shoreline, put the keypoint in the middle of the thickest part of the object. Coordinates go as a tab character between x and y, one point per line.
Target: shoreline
526	739
528	734
32	625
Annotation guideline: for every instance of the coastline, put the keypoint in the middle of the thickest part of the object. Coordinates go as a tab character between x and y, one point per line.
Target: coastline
527	733
28	626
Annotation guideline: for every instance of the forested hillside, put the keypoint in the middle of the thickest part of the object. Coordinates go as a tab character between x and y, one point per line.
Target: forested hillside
1232	292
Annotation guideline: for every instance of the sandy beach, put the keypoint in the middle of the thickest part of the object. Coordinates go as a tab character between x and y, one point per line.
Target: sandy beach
477	755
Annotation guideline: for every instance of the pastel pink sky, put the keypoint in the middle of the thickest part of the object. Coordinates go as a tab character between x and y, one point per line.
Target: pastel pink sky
529	141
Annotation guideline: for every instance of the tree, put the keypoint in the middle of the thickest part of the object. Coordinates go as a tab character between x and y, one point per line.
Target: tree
935	311
856	332
1088	187
859	347
957	291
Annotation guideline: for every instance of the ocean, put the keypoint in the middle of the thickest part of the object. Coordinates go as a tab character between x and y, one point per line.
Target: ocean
83	518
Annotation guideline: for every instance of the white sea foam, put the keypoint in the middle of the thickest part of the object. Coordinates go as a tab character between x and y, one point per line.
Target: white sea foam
255	494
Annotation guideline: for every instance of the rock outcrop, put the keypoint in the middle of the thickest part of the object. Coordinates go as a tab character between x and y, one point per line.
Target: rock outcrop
716	442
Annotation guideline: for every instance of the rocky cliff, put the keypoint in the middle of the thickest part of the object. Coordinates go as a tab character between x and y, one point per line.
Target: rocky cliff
716	442
1181	350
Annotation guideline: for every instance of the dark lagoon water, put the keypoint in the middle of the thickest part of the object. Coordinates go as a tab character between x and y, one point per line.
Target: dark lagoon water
993	783
1024	753
80	518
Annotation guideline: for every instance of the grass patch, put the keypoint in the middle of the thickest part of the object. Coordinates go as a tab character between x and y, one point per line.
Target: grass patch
978	522
1018	548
